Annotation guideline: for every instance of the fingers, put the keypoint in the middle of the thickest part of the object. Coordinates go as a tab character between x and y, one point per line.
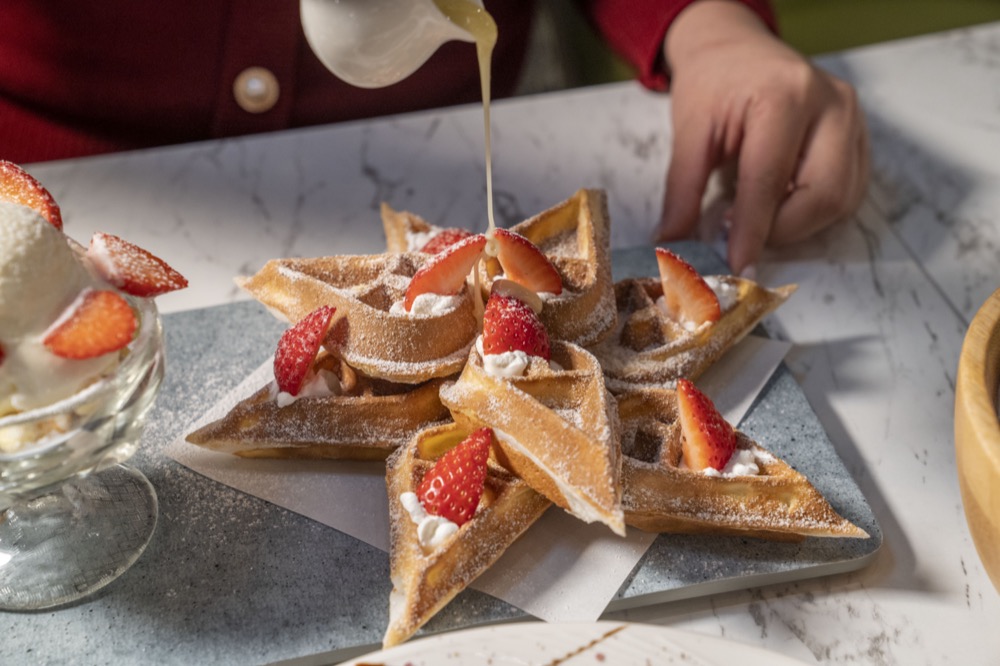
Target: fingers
687	177
774	133
797	135
832	176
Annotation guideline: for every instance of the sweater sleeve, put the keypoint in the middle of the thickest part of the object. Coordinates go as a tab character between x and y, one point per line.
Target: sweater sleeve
635	29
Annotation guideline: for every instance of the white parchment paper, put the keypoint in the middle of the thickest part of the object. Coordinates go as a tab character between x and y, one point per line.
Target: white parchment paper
560	570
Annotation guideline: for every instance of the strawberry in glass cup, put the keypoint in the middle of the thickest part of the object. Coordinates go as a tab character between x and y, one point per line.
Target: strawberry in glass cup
67	314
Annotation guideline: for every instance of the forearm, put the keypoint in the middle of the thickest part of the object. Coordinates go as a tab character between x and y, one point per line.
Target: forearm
636	29
707	24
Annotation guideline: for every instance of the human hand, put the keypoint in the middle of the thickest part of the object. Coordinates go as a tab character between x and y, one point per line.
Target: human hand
795	133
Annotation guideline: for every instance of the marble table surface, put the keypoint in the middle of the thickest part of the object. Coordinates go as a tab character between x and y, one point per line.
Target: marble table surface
877	324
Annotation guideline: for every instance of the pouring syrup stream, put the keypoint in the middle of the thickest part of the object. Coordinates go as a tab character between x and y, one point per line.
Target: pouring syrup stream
475	20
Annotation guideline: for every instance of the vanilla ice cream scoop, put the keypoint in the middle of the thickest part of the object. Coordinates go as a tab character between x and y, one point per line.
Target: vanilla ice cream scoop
41	275
39	272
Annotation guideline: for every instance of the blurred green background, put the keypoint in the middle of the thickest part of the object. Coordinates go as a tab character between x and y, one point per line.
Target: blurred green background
570	54
822	26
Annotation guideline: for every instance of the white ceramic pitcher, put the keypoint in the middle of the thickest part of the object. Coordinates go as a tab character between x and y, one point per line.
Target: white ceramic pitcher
375	43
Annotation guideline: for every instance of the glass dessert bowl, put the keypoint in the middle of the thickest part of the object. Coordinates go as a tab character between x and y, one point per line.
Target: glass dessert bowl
72	516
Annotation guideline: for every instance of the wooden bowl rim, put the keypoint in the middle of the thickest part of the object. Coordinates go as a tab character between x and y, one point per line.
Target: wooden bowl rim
979	375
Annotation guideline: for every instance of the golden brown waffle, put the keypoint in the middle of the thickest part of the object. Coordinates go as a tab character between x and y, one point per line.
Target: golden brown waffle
424	582
396	347
660	495
556	429
405	232
367	421
576	237
649	349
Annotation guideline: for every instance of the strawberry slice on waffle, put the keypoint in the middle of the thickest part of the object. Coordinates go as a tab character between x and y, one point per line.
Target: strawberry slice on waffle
453	487
687	296
525	264
445	239
298	347
707	438
510	324
445	272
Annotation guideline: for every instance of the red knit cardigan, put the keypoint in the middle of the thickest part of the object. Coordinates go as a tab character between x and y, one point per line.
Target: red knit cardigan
83	78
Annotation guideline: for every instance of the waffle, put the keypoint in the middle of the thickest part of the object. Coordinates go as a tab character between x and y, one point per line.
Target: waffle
576	237
367	421
649	349
424	582
405	232
662	496
395	347
556	429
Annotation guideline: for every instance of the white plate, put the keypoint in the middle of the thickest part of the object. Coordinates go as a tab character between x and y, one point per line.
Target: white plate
541	644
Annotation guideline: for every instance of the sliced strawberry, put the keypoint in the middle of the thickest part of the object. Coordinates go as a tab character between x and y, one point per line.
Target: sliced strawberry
20	187
445	272
2	354
101	322
687	296
510	324
708	440
444	239
523	262
298	347
131	268
504	287
453	487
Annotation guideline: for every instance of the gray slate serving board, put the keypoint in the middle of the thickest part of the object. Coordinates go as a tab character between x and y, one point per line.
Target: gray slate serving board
231	579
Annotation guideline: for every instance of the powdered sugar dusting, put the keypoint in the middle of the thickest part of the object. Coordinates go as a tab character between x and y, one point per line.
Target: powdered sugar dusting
383	343
399	368
649	349
563	244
